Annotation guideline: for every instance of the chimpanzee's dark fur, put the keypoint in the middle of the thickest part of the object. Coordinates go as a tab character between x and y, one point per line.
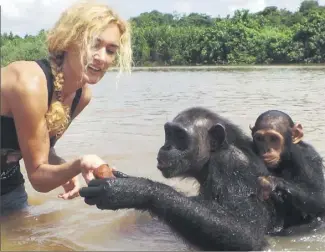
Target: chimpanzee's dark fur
297	182
227	214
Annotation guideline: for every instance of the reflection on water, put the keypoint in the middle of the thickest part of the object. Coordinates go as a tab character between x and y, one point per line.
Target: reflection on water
125	127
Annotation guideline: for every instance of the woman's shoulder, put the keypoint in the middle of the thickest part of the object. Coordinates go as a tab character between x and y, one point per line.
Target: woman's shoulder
24	76
24	81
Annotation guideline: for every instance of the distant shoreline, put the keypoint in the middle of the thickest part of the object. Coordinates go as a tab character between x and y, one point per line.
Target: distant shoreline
224	67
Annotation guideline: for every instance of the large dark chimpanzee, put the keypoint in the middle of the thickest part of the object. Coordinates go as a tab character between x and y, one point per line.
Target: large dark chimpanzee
227	214
296	185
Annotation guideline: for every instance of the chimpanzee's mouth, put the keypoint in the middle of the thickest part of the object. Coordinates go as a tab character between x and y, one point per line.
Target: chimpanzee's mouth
162	165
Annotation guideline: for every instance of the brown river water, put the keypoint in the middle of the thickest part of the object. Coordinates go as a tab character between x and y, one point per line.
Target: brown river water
124	125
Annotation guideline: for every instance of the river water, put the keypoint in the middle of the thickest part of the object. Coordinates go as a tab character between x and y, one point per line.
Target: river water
124	125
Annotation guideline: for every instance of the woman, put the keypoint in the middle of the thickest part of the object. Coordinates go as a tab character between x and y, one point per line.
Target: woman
39	99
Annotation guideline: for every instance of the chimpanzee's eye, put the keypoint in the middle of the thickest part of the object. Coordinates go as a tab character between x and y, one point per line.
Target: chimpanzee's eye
274	139
180	138
258	138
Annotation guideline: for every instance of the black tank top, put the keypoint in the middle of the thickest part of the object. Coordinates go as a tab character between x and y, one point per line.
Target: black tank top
10	174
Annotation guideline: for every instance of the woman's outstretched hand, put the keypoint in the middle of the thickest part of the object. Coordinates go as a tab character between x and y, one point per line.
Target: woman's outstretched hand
89	163
71	189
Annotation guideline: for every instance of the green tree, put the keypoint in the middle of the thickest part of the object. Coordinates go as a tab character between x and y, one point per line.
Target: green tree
271	36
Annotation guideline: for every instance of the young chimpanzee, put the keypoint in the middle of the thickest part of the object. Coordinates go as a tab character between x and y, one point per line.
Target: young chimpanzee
296	185
227	214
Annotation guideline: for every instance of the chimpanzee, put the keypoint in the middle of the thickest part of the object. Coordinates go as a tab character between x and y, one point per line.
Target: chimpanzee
227	213
296	185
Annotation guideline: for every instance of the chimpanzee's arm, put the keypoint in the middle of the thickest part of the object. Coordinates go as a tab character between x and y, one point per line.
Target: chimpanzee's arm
210	229
205	225
301	196
306	187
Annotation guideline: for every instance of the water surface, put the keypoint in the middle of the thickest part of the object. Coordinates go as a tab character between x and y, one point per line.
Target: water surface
124	126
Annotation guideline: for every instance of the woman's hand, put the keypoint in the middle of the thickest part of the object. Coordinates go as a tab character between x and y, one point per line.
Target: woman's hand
71	189
88	164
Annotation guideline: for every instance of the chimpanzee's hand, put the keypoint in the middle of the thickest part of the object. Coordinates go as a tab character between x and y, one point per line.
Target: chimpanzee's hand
117	193
271	187
119	174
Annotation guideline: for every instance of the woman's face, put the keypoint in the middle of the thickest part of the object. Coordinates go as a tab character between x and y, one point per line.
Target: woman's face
101	56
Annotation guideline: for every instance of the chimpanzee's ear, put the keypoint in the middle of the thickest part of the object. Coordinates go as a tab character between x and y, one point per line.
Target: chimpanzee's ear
252	128
217	136
297	133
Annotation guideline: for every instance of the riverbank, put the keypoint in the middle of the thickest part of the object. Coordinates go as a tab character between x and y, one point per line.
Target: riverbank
224	67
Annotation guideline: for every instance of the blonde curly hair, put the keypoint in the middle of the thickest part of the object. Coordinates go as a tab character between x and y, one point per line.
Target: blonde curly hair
78	26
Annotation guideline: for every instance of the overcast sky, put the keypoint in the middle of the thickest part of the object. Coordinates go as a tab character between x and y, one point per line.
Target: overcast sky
30	16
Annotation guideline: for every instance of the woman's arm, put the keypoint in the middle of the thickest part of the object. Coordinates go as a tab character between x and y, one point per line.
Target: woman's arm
27	100
54	159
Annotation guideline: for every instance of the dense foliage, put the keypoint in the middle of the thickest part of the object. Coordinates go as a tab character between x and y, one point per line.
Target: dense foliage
271	36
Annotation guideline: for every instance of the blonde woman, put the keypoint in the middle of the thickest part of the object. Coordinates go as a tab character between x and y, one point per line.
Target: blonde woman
40	98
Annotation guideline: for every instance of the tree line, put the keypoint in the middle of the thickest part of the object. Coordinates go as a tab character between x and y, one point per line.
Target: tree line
271	36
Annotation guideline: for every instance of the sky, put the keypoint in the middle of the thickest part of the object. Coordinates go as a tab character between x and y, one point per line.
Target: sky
30	16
